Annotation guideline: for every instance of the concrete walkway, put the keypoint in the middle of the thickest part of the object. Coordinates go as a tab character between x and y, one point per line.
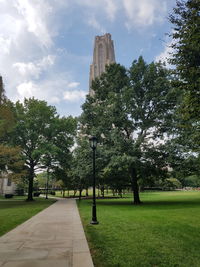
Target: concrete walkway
52	238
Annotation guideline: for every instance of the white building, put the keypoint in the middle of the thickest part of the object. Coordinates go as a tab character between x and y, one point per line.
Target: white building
7	186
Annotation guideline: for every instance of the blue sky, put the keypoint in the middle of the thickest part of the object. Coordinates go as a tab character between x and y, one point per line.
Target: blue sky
46	46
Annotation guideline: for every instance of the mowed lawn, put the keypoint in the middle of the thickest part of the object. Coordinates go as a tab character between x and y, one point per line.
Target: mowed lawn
15	211
163	231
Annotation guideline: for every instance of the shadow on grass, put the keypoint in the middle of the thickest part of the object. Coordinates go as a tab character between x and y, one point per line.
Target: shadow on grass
169	204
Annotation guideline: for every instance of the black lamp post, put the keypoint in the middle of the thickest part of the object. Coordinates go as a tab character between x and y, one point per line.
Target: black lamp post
47	184
93	145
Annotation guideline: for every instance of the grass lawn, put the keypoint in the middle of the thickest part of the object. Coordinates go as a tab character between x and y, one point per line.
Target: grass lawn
163	231
16	210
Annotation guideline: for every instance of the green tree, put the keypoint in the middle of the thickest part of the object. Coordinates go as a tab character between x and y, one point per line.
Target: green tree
45	139
130	112
11	163
81	170
186	57
60	140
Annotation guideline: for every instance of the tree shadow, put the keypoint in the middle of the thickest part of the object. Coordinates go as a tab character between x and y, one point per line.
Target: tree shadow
160	204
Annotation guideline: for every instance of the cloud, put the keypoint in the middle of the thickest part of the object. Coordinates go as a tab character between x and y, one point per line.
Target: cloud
5	45
34	16
92	21
54	90
74	96
111	9
165	55
144	12
107	6
34	69
73	84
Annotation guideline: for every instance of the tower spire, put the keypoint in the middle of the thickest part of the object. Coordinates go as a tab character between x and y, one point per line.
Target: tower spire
103	55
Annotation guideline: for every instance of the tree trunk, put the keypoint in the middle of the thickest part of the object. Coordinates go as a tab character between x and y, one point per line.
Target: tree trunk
30	185
120	192
63	193
80	193
135	187
87	194
75	192
102	191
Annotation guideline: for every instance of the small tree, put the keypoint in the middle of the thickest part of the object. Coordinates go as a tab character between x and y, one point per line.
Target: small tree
45	139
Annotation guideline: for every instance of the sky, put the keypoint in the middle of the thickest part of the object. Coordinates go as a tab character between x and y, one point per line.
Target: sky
46	46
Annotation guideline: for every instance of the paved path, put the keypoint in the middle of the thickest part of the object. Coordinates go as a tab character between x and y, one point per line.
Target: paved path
52	238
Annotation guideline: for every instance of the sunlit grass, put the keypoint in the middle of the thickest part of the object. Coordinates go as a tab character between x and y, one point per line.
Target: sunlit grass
163	231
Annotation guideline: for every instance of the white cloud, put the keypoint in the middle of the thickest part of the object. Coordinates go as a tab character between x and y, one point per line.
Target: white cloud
98	9
166	54
92	21
143	12
26	90
111	9
73	84
34	15
74	96
34	69
5	45
54	90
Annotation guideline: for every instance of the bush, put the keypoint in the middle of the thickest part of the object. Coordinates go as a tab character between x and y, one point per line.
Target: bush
19	192
53	193
192	181
171	184
36	194
9	195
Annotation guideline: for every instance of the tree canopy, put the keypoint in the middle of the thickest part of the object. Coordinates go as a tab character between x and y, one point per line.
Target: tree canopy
186	57
45	139
130	112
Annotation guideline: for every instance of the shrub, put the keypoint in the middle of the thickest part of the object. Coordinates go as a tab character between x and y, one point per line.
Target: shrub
9	195
171	184
36	194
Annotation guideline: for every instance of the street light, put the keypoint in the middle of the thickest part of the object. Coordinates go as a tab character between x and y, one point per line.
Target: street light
47	184
93	145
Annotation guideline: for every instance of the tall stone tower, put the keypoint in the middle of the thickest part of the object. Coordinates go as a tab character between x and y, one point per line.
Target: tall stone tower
103	55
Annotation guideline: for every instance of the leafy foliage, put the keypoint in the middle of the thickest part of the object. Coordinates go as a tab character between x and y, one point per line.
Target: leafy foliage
186	57
129	113
45	138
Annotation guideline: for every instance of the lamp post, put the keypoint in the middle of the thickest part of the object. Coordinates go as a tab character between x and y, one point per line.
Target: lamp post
93	145
47	184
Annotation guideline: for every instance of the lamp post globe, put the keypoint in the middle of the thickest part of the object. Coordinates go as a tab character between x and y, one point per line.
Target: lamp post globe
93	142
93	145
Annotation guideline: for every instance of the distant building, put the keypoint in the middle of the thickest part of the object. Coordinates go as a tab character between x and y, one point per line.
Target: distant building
103	55
7	186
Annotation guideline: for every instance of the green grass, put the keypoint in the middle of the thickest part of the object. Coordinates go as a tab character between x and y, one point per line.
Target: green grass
163	231
16	210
